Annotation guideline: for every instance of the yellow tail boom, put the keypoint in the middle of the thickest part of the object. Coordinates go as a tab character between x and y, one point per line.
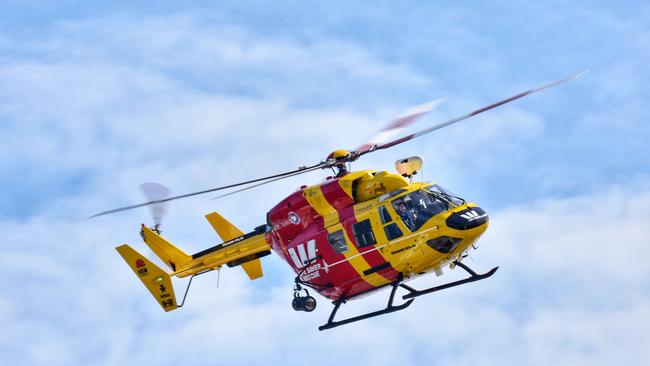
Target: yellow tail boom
166	251
238	249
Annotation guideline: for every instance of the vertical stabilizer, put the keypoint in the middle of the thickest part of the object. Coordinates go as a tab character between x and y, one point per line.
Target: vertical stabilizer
253	269
155	279
223	227
228	231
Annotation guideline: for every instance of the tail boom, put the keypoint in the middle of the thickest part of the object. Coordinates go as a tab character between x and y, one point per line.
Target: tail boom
238	250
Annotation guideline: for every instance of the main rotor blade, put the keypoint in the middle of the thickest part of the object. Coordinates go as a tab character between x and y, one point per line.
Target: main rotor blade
406	118
471	114
267	182
279	176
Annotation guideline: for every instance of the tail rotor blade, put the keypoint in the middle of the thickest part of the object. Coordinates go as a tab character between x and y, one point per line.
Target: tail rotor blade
159	194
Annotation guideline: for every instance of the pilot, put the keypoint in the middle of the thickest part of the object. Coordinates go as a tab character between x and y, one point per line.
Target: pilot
405	215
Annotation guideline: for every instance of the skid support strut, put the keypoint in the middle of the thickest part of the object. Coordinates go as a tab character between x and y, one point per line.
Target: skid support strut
390	308
473	277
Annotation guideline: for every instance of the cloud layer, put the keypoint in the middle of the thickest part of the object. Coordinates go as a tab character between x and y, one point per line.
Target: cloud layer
568	285
96	101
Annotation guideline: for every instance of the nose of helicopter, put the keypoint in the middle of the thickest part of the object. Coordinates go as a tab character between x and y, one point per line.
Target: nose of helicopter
472	220
468	218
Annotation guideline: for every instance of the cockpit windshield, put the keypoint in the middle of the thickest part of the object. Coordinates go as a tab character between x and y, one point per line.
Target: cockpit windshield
446	194
418	207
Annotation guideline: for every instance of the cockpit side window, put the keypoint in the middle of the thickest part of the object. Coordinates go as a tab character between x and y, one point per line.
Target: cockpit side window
391	229
363	233
407	216
384	215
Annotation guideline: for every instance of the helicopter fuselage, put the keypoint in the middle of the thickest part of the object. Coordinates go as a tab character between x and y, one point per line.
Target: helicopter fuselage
351	235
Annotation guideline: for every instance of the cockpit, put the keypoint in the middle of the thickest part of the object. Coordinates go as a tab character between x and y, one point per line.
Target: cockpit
416	208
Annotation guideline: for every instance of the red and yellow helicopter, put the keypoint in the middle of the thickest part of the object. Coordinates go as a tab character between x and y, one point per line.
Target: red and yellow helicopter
345	237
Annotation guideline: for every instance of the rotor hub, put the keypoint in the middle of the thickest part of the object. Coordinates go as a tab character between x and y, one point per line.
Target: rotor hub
338	154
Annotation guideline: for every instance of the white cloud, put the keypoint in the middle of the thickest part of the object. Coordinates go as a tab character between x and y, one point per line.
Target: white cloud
216	56
572	279
193	103
108	100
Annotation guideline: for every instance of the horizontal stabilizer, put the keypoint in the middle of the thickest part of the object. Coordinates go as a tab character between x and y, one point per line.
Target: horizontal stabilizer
155	279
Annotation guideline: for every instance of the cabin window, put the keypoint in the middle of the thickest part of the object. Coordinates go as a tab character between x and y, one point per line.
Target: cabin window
384	215
337	241
392	231
363	233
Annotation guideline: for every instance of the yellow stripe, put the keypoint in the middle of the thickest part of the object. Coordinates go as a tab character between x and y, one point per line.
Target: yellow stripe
348	180
357	261
315	197
373	215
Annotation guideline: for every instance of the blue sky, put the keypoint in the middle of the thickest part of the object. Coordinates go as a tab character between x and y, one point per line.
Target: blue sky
97	98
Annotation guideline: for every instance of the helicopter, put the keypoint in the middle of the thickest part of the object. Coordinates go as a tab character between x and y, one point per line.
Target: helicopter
346	237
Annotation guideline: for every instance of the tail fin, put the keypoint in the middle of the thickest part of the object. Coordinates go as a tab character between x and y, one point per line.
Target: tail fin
223	227
228	231
253	268
171	255
155	279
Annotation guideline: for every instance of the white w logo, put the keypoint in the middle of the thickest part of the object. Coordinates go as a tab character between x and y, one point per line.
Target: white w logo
301	259
472	215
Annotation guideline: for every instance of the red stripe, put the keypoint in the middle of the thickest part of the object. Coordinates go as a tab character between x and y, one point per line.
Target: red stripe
372	256
344	204
336	196
343	276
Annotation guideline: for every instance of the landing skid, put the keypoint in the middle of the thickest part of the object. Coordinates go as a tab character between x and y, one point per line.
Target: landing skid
413	293
473	277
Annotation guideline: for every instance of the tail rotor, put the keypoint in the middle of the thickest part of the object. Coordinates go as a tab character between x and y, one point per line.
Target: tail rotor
158	195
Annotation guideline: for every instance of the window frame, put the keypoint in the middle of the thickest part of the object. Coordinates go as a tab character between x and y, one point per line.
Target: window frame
389	232
338	248
383	212
361	237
